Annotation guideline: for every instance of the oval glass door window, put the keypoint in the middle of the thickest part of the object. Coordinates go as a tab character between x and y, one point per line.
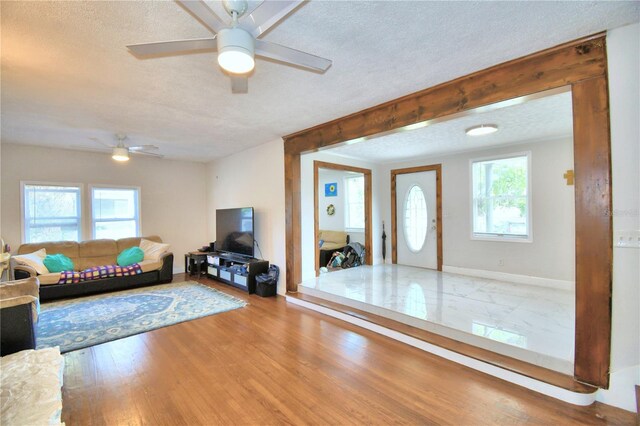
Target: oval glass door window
415	219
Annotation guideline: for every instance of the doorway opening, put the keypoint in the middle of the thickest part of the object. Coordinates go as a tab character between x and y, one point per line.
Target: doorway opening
342	211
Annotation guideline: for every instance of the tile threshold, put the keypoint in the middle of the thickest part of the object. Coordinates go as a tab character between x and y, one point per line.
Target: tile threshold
549	382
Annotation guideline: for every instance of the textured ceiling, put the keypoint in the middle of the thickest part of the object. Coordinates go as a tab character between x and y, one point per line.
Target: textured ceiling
67	75
536	120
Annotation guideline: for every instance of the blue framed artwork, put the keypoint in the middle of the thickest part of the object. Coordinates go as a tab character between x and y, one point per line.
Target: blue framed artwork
331	189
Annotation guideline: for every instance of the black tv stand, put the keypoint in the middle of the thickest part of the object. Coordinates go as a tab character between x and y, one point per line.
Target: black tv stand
236	270
233	256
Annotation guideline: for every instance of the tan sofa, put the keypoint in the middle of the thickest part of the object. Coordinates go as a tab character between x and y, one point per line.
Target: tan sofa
332	241
88	254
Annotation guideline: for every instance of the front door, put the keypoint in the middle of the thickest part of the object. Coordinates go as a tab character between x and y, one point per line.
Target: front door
417	220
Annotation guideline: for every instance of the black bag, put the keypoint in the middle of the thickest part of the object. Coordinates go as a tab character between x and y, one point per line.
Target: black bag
350	260
267	283
353	255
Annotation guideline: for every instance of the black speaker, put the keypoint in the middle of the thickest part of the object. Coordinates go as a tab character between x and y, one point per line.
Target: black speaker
212	246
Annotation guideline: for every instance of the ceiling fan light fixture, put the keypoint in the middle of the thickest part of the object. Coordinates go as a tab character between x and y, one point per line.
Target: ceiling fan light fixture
236	49
120	154
483	129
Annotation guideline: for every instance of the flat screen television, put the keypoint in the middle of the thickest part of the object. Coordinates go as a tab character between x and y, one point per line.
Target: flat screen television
234	231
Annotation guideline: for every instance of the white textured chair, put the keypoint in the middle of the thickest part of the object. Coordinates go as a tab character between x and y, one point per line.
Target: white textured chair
31	387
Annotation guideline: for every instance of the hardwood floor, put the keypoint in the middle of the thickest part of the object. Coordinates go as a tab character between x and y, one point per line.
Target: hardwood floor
273	363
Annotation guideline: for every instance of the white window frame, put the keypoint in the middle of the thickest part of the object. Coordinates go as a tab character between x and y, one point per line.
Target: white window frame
92	220
23	224
502	237
346	203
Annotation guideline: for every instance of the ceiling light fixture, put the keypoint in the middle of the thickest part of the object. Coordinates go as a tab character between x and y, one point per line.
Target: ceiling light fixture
483	129
236	49
415	126
120	153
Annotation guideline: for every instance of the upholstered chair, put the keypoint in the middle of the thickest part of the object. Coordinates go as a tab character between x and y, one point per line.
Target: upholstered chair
19	309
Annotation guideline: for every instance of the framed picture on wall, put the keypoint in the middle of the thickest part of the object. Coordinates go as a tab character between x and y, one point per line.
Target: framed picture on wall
331	189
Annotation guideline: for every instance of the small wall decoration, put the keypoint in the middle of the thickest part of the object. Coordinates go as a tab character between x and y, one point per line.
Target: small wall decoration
569	176
331	210
331	189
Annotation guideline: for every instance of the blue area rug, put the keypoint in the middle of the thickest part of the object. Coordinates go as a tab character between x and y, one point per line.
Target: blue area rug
88	321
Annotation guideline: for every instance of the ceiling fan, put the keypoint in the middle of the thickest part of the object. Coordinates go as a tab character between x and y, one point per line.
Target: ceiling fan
238	41
120	151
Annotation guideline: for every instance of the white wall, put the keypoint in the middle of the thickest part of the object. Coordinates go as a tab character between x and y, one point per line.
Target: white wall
550	255
1	203
253	178
356	237
336	221
623	51
173	193
306	208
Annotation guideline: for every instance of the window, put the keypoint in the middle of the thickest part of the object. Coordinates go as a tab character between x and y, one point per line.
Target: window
415	218
354	202
115	212
501	203
51	212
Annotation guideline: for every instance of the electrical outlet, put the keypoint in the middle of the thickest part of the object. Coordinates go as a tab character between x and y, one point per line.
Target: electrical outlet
626	239
500	262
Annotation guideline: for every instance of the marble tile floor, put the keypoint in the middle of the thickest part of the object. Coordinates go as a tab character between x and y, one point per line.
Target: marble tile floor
531	323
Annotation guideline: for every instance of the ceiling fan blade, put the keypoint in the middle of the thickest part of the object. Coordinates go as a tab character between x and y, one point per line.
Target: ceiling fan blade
102	143
239	84
150	154
173	47
267	15
291	56
88	149
143	148
204	14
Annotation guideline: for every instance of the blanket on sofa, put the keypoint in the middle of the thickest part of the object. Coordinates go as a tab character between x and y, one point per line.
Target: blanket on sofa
98	272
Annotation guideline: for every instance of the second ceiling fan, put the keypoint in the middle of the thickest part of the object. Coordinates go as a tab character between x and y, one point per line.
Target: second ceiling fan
238	42
120	151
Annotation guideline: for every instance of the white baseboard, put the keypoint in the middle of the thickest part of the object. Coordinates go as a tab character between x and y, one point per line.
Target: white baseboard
622	392
512	278
565	395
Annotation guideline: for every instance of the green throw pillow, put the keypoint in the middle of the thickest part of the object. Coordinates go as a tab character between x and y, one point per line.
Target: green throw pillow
58	263
130	256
